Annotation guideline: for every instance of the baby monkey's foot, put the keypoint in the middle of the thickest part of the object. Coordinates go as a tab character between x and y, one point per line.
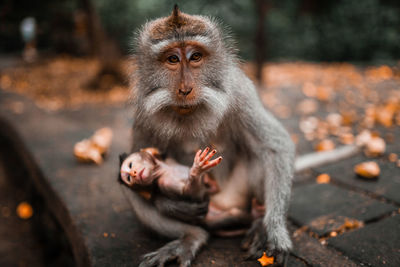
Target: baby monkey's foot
202	162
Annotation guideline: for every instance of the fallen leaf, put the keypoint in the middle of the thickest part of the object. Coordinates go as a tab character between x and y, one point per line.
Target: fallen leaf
307	106
102	139
363	138
265	261
323	178
325	145
369	169
393	157
375	147
346	138
92	150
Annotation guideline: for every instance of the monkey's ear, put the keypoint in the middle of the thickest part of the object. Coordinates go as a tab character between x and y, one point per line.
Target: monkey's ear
122	157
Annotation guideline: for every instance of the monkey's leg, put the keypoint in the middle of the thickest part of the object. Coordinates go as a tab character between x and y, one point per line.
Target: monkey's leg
188	238
270	234
187	211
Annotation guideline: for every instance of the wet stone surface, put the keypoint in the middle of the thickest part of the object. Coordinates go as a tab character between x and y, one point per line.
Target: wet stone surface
103	231
386	185
377	244
325	207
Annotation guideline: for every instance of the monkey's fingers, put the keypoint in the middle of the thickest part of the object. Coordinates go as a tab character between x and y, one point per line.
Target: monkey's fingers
212	164
197	156
204	153
209	156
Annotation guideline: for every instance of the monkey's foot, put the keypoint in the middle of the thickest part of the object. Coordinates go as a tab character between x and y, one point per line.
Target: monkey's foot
256	243
174	250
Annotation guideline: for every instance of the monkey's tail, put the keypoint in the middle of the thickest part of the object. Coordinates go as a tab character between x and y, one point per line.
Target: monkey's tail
316	159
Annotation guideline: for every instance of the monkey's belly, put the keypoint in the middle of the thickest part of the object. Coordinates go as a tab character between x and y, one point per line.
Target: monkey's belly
234	192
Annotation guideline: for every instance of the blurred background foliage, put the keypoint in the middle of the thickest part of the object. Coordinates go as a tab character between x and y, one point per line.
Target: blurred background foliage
330	30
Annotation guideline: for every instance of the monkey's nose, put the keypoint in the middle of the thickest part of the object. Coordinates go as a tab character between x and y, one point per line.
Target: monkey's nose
133	173
185	91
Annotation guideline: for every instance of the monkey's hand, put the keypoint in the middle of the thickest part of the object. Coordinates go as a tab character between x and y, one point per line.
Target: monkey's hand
202	162
256	242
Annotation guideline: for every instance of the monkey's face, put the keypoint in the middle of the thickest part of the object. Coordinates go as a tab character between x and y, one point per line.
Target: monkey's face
138	168
180	90
184	61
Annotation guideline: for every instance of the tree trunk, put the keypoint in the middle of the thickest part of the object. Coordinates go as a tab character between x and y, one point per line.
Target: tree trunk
105	49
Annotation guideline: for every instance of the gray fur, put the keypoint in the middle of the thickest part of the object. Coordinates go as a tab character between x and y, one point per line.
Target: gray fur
229	116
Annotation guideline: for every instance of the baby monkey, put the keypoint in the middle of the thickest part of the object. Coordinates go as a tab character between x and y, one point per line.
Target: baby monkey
147	173
143	171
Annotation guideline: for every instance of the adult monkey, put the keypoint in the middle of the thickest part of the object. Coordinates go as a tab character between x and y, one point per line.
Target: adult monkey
190	93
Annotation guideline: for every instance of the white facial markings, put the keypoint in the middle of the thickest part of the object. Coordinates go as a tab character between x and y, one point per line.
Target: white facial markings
160	46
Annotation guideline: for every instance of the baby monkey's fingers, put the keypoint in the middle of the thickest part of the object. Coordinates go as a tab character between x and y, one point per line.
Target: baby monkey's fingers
209	164
208	156
197	156
204	154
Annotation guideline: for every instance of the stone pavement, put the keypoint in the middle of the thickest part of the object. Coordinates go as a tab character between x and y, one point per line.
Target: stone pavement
348	222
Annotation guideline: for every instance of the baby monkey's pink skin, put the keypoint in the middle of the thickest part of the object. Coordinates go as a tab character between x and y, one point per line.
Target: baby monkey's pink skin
173	179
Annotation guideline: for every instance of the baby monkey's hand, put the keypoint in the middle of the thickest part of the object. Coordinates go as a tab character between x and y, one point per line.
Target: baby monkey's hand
202	162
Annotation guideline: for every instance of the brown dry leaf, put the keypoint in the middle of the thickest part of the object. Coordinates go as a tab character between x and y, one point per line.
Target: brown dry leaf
102	139
369	169
334	120
348	224
307	106
384	115
24	210
324	93
393	157
325	145
323	178
375	147
265	260
349	117
84	151
309	89
92	150
363	138
308	125
346	138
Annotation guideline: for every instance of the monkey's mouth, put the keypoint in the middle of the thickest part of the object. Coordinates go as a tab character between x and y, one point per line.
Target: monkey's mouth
183	110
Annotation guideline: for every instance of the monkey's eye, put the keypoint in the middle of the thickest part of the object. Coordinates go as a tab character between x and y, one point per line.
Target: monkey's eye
173	59
196	56
130	165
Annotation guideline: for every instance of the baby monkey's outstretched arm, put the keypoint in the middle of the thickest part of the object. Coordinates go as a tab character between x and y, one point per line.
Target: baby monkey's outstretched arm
197	178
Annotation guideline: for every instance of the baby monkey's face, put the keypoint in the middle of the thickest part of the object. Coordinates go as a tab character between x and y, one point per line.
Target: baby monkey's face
138	168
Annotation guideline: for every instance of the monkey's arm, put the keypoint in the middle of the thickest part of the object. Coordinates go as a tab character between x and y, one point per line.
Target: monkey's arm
196	184
188	238
273	152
